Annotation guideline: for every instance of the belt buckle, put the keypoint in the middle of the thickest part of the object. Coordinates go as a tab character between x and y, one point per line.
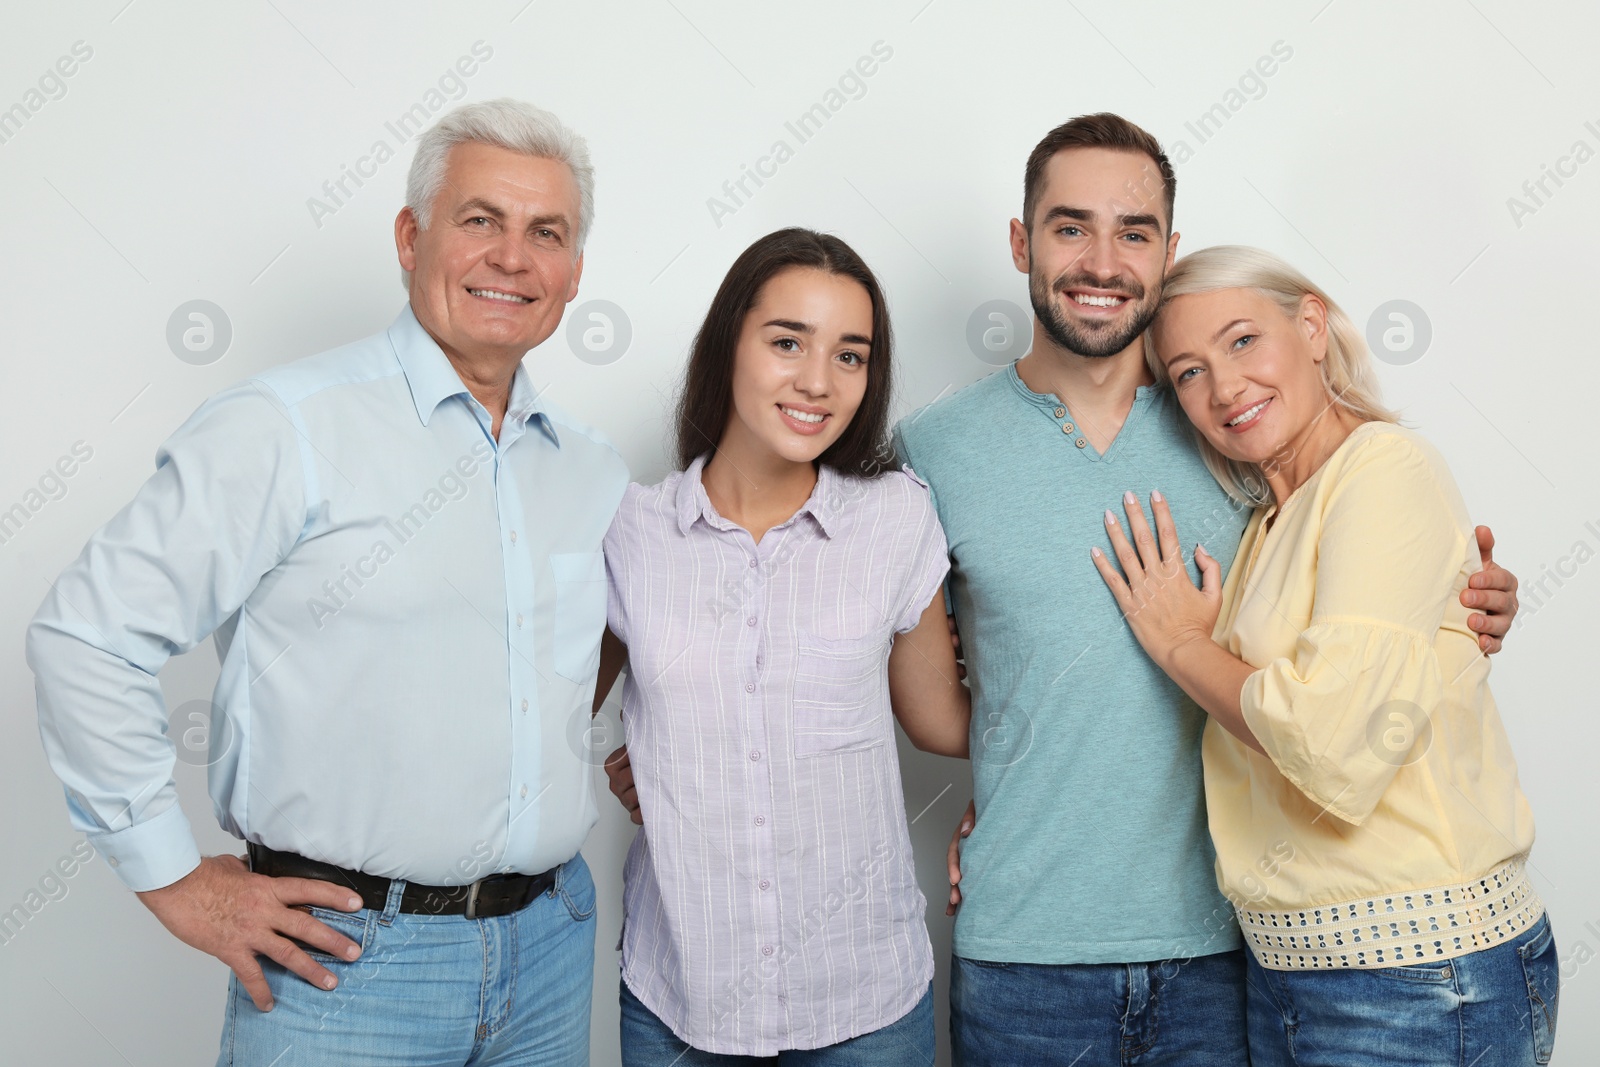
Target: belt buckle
472	893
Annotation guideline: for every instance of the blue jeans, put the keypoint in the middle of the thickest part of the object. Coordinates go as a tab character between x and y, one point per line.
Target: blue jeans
435	989
1491	1008
907	1042
1183	1013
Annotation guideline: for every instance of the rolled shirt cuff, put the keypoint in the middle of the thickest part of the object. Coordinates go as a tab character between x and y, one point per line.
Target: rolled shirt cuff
151	854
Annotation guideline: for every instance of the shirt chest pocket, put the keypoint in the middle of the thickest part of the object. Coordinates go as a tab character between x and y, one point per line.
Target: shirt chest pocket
840	700
580	579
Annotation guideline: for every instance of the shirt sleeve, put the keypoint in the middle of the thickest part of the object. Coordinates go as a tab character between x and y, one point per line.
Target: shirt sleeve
226	504
927	552
1364	676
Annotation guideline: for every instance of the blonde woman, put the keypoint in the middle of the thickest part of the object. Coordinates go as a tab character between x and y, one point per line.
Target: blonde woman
1361	792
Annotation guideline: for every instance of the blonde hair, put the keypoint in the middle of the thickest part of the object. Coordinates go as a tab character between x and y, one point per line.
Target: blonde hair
1347	371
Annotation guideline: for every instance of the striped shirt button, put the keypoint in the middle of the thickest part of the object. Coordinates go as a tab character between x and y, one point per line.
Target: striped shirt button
754	756
766	950
761	820
751	621
764	883
749	687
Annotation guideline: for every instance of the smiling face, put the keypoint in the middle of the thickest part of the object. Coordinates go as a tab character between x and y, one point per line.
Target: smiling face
800	366
1246	373
496	267
1096	250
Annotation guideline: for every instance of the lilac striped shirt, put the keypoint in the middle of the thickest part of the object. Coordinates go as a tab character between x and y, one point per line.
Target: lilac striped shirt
770	901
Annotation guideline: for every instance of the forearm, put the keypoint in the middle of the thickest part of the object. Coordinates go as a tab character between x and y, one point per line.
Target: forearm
1213	677
613	657
103	725
936	719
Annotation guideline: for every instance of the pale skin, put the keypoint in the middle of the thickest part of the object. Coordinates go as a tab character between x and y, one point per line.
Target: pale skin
503	223
804	346
1093	220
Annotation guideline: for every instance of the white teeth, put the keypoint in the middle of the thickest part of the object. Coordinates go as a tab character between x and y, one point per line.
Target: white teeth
1248	415
801	416
1098	301
510	298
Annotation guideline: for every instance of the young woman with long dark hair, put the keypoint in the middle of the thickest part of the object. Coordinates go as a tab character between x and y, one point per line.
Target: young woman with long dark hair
770	598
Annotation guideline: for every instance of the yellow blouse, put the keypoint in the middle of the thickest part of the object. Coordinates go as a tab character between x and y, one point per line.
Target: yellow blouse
1386	824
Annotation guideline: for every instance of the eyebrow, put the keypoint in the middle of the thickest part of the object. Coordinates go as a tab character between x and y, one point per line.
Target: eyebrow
1214	339
807	328
1236	322
1061	211
479	206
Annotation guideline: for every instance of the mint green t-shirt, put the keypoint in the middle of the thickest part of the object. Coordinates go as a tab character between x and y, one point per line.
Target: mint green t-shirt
1091	843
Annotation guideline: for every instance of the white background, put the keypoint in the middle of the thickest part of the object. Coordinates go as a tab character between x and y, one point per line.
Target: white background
178	164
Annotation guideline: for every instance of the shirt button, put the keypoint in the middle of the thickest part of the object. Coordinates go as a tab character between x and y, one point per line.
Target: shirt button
1060	412
751	621
519	622
118	863
755	756
513	537
524	792
752	563
766	950
1068	427
764	883
524	707
1080	442
761	820
749	687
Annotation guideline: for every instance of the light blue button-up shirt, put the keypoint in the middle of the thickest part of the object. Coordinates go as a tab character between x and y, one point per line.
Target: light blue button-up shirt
408	614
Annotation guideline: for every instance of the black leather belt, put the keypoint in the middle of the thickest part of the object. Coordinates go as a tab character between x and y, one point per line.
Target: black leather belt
499	894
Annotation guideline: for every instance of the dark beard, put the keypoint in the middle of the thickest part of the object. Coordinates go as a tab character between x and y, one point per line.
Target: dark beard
1096	343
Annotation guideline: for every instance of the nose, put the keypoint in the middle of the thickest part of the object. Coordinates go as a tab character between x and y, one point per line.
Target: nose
507	254
1100	259
814	375
1227	385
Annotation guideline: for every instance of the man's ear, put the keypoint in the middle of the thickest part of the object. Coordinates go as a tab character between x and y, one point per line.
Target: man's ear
405	238
1172	250
1021	257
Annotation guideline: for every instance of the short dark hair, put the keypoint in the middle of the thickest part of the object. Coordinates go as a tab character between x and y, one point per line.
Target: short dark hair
1102	130
707	396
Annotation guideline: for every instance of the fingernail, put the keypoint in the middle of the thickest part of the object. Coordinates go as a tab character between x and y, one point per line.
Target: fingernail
1200	550
1095	552
1129	498
329	982
353	902
1155	494
1111	520
352	952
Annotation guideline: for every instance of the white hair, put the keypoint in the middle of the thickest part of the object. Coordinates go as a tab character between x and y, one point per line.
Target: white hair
505	123
1347	371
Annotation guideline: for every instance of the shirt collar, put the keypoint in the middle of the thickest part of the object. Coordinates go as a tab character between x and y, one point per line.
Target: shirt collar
433	380
825	505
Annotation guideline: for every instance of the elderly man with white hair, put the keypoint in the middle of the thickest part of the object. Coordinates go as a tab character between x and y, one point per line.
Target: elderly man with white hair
397	544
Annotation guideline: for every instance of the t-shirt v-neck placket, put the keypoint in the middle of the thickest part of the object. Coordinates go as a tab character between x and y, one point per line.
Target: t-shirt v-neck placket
1054	408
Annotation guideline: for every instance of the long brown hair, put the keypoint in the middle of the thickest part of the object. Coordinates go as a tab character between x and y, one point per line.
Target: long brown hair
707	395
